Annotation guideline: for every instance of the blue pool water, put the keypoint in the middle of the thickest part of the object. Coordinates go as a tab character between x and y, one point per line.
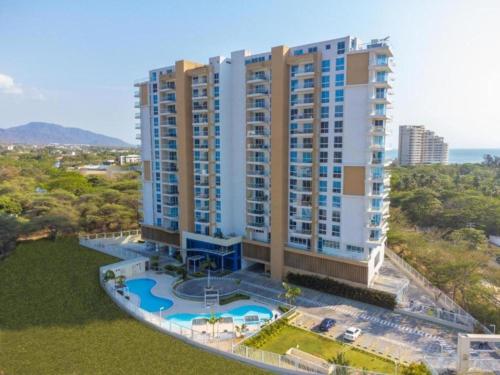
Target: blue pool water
149	302
237	314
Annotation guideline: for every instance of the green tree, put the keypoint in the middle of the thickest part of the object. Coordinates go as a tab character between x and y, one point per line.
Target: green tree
415	368
291	293
474	239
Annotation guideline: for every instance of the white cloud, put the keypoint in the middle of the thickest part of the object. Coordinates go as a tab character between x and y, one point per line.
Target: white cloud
8	86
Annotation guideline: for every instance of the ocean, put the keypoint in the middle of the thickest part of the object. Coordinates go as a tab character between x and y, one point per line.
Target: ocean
458	155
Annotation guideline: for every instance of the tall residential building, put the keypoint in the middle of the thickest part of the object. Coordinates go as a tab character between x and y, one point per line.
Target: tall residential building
273	160
420	146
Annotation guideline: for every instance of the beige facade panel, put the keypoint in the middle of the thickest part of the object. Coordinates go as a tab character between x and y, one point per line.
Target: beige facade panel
354	181
256	251
160	235
146	170
279	159
324	266
185	144
143	94
357	68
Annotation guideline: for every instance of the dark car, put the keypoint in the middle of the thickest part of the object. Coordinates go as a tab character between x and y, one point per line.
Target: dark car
326	324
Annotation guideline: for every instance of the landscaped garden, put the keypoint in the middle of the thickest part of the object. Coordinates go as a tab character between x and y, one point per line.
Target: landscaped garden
285	336
56	319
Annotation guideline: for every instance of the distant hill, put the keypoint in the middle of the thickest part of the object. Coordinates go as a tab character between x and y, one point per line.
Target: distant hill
43	133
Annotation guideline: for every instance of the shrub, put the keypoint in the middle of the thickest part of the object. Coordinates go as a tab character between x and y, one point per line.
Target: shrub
324	284
266	333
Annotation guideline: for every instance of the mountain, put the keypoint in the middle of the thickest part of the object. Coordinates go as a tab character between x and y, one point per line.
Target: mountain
43	133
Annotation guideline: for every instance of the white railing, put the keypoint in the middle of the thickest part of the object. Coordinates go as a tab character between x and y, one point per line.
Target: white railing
458	314
123	233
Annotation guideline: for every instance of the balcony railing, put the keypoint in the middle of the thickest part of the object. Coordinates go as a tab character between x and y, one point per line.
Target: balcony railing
305	116
258	92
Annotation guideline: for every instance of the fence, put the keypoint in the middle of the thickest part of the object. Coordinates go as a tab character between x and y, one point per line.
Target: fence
457	314
109	249
104	235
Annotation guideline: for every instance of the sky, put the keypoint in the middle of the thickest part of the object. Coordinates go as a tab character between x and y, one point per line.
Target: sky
74	62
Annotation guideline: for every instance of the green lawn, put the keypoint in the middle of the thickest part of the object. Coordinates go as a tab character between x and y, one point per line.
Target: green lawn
55	319
327	349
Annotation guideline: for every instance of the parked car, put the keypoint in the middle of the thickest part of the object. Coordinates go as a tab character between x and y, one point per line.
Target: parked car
351	334
326	324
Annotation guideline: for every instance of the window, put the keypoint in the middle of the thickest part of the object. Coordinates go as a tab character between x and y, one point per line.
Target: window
336	230
323	157
341	48
338	126
336	201
153	76
216	104
323	142
328	46
354	249
380	109
321	214
382	60
336	216
155	121
308	83
339	111
158	221
325	81
325	97
323	171
217	168
322	200
158	208
216	78
298	52
339	63
322	228
337	172
339	95
380	93
216	91
324	112
325	66
337	142
339	79
324	127
312	49
337	187
309	68
381	77
337	157
155	111
218	217
323	186
217	130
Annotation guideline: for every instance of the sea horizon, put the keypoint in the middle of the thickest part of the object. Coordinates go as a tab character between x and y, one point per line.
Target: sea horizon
458	155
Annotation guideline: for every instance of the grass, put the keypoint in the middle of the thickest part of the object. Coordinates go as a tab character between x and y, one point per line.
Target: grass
55	319
233	298
319	346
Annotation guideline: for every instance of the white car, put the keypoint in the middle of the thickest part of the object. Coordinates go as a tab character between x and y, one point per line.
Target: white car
352	333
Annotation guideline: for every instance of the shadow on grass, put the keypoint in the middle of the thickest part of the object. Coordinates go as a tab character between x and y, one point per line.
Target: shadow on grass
46	283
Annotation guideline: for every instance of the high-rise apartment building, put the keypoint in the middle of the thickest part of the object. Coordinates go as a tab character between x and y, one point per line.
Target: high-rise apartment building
273	159
420	146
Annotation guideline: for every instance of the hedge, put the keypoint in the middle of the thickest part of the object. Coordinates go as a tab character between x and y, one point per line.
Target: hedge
330	286
266	333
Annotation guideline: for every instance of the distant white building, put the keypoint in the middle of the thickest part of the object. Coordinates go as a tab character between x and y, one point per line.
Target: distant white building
420	146
130	159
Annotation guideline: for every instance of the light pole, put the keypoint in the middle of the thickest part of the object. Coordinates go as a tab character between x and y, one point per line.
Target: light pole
161	309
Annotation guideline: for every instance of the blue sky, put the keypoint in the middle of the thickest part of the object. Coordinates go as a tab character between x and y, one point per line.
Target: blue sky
74	63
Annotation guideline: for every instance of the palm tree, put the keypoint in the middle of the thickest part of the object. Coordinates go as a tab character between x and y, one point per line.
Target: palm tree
214	319
291	293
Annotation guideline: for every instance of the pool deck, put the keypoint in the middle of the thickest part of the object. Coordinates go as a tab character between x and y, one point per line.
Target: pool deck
163	288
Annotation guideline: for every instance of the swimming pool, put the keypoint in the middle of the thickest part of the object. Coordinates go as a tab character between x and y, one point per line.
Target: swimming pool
149	302
237	314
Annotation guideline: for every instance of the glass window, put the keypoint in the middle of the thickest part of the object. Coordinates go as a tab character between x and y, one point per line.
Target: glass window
324	127
337	157
322	228
336	201
337	172
339	111
322	200
323	186
325	97
323	142
337	142
336	230
340	48
336	216
339	63
337	187
325	81
321	214
324	112
323	157
339	126
339	95
339	79
323	171
325	66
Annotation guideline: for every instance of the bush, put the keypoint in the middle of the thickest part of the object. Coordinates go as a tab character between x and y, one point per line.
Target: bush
330	286
266	333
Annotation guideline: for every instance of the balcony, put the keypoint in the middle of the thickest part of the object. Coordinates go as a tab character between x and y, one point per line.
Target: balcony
302	116
200	108
301	131
304	146
301	189
256	172
258	212
302	103
251	159
303	88
167	87
257	146
307	175
167	111
256	224
251	186
257	198
257	78
137	116
257	93
301	231
303	72
298	217
167	99
137	105
199	82
202	96
202	220
251	107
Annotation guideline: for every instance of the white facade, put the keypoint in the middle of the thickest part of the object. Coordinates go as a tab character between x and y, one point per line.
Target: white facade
420	146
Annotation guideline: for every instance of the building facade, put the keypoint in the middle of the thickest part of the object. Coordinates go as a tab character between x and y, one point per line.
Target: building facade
420	146
274	159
